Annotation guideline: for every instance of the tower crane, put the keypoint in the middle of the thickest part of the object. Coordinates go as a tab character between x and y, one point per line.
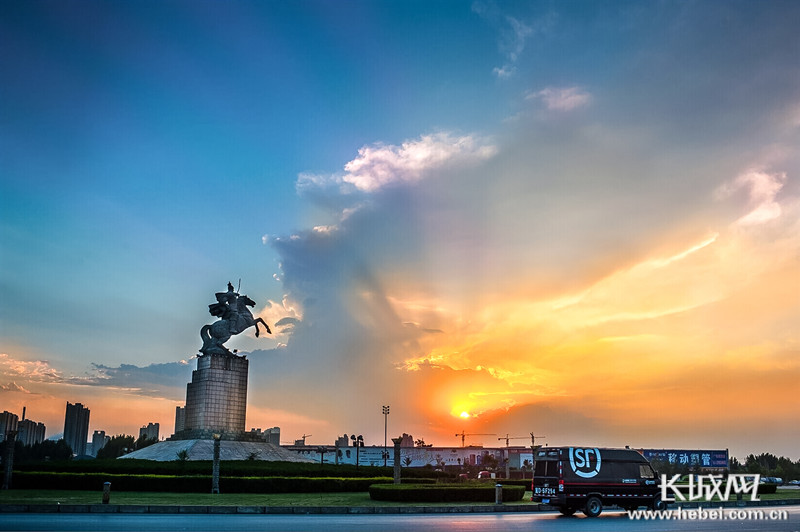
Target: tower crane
507	458
464	435
533	440
513	438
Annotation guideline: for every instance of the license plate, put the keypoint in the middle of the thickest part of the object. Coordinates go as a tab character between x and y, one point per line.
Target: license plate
541	491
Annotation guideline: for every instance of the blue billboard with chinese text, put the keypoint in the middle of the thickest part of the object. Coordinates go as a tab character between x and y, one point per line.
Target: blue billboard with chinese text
689	458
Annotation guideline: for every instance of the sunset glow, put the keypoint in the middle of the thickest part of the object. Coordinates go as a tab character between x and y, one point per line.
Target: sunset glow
582	221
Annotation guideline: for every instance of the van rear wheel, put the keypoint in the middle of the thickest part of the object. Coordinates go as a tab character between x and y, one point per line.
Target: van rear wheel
593	507
567	511
658	504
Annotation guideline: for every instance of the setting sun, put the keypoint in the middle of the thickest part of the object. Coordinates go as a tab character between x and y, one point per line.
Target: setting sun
464	415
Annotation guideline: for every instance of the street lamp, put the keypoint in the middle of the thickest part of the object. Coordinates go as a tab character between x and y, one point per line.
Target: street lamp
358	442
385	422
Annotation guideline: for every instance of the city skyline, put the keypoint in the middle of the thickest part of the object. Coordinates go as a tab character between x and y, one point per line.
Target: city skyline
575	219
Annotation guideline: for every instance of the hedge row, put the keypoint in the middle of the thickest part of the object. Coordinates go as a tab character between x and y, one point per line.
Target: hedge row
763	489
190	484
229	468
442	493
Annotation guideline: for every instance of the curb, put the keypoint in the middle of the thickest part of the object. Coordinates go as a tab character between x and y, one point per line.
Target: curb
256	510
323	510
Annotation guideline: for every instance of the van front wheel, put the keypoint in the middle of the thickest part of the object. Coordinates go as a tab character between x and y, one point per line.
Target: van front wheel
593	507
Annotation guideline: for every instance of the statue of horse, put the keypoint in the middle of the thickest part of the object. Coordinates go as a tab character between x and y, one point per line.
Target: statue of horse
235	317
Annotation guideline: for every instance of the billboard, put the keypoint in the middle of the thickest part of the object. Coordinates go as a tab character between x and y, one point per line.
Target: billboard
689	458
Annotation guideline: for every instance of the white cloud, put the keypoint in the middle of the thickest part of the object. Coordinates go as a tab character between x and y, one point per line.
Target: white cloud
762	188
13	387
312	182
283	315
324	229
514	34
33	370
380	165
562	99
504	72
517	37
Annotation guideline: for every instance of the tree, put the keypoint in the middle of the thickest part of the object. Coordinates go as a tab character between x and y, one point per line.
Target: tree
117	446
489	461
46	450
144	441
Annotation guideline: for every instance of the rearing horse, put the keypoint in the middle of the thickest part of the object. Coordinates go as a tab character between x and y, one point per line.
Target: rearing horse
234	318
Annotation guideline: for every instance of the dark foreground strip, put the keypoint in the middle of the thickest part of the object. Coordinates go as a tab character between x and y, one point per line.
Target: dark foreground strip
162	509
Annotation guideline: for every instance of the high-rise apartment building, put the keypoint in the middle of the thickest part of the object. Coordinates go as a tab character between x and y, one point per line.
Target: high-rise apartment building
150	431
30	432
8	423
76	428
180	418
99	440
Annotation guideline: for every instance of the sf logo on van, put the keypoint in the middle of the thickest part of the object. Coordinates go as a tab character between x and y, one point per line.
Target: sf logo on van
584	462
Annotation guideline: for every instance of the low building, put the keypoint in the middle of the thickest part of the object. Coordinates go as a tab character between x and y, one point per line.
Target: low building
438	457
271	435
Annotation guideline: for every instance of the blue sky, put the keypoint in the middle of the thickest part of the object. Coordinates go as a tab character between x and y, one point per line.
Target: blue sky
448	207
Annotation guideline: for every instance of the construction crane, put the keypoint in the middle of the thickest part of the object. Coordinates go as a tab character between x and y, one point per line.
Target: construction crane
507	458
303	439
513	438
533	441
464	435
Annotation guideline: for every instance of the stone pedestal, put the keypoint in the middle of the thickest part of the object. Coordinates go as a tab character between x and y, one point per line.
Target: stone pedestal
216	399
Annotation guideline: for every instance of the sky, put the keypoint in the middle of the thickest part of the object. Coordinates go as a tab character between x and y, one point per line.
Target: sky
574	219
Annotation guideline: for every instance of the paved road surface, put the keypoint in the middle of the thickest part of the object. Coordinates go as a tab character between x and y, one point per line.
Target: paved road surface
609	521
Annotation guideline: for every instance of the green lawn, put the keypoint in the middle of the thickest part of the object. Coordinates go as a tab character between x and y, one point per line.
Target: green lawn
205	499
241	499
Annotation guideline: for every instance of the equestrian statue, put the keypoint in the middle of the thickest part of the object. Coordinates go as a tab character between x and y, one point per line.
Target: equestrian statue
234	317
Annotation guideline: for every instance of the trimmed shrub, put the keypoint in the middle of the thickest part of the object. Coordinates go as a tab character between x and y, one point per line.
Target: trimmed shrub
765	489
477	492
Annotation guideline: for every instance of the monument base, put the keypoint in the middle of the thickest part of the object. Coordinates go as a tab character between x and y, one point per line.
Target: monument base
208	434
168	451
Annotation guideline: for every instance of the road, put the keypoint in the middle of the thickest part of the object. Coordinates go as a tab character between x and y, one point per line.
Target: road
609	521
